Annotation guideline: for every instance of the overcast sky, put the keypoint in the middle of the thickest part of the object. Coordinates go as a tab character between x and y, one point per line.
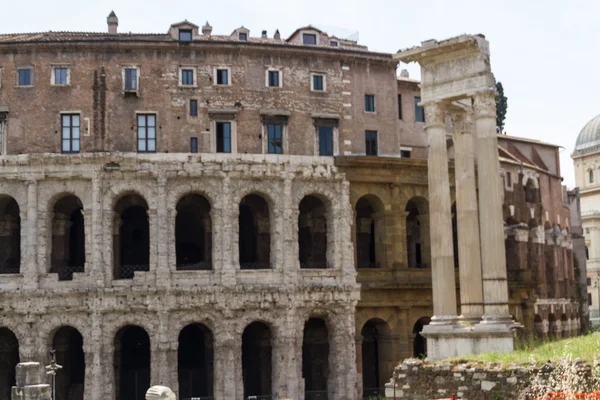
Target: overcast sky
545	52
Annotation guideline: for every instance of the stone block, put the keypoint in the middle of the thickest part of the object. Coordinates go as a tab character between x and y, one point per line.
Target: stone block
30	373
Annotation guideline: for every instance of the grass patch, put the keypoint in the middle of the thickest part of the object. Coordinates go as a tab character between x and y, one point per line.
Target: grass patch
531	350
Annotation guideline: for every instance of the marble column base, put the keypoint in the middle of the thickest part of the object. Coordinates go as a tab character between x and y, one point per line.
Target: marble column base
460	341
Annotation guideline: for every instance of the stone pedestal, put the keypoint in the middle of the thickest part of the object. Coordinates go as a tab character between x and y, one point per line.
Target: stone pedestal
444	342
30	381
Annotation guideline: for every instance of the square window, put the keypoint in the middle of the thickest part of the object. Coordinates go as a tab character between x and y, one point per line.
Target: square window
223	137
60	76
25	77
325	141
131	79
589	281
185	35
222	77
399	106
371	143
243	36
309	38
70	133
405	153
194	108
318	82
274	78
187	77
193	145
275	138
146	133
419	111
370	103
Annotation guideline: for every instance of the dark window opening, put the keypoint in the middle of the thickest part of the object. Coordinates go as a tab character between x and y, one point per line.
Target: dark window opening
68	344
370	232
132	239
531	192
587	253
194	108
193	233
399	106
419	111
256	360
325	141
371	143
70	133
223	137
9	355
25	77
185	35
10	237
68	238
417	232
419	341
591	176
309	38
130	79
589	281
222	77
243	36
312	233
318	82
60	76
275	138
454	234
274	78
334	43
405	153
369	103
508	179
187	77
195	362
315	359
376	348
254	233
132	363
146	133
193	145
590	299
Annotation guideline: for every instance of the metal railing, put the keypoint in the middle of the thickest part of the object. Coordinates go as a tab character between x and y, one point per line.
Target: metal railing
368	265
126	271
315	395
9	269
373	393
199	266
255	265
313	265
65	273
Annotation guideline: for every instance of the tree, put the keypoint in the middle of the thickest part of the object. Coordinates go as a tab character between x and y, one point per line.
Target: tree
501	107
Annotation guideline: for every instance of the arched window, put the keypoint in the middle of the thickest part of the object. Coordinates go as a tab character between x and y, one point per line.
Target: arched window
531	192
312	233
377	357
132	363
591	176
315	358
9	358
256	360
254	233
195	362
68	344
10	236
420	343
132	237
193	233
417	233
370	232
68	238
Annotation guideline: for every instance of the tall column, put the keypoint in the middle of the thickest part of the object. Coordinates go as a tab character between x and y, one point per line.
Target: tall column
493	258
442	251
467	218
29	268
96	260
163	272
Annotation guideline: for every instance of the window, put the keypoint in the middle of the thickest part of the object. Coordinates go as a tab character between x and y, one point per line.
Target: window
70	133
370	103
334	43
371	143
60	76
131	79
273	78
146	133
591	176
318	82
194	108
405	153
185	35
589	281
508	179
193	145
24	77
589	299
243	36
309	38
187	77
587	250
325	141
222	76
419	112
399	106
223	137
275	138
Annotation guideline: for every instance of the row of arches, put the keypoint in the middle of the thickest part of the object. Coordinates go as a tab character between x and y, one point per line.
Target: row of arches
555	328
195	361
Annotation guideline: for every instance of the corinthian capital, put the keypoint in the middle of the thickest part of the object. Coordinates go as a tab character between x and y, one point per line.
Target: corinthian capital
461	120
484	105
434	115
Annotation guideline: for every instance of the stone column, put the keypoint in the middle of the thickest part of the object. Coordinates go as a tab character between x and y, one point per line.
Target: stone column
96	261
467	218
153	236
163	273
343	247
228	228
442	249
29	268
493	258
228	357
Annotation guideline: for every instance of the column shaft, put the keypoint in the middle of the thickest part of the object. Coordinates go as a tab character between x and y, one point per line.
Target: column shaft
495	286
467	218
442	252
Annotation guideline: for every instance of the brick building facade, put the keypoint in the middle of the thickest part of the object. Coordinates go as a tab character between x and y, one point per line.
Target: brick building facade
234	215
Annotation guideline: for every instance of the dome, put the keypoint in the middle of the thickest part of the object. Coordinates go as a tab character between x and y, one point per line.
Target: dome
589	137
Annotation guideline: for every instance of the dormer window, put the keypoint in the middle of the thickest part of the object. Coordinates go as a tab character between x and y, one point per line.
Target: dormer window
309	38
334	43
185	35
242	36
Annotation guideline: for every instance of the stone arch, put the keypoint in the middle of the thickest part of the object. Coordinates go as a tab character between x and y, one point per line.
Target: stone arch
254	232
195	361
316	357
9	358
553	331
180	190
67	250
131	236
538	327
10	235
420	343
313	235
132	355
193	233
370	232
377	356
531	190
257	359
565	326
67	342
417	233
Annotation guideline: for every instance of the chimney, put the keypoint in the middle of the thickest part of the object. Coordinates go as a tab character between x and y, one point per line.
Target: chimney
404	74
112	22
277	36
264	34
206	29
